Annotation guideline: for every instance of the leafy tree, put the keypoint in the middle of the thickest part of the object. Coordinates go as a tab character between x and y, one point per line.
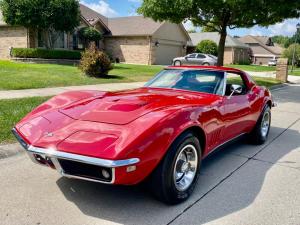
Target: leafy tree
47	16
281	40
221	14
288	53
207	47
89	34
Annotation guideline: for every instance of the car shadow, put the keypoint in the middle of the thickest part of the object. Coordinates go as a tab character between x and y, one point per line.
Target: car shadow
134	205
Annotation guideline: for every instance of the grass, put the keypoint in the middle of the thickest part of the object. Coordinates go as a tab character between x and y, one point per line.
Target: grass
16	76
296	72
11	111
254	68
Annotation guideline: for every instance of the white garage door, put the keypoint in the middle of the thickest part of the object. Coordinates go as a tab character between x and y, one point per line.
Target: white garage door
165	54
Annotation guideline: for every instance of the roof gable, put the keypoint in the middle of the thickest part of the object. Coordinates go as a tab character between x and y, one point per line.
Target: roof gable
215	37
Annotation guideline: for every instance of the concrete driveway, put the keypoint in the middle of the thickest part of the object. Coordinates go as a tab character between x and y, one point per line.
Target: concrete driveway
242	184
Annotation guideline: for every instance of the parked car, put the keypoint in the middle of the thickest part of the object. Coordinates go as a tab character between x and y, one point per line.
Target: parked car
272	62
196	59
158	133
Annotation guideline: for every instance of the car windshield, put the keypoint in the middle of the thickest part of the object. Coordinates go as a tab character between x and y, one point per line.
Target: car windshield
193	80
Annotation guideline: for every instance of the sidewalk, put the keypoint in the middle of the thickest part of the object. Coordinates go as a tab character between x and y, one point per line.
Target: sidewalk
272	74
10	94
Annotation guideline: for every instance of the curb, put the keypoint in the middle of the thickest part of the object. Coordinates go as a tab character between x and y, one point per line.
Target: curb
10	150
278	86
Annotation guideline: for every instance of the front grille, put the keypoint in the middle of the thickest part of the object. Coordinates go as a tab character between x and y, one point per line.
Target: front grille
85	170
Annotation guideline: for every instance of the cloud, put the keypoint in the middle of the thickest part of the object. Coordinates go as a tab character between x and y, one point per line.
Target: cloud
101	7
287	27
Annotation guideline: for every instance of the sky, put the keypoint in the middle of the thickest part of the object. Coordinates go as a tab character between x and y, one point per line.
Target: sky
117	8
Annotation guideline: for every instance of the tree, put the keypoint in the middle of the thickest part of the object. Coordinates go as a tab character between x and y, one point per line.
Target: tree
207	47
89	34
47	16
221	14
288	53
281	40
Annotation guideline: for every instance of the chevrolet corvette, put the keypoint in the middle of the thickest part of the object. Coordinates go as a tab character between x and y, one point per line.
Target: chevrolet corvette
158	133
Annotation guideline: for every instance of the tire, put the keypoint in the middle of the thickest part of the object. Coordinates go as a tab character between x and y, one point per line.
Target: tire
166	182
260	133
206	64
177	63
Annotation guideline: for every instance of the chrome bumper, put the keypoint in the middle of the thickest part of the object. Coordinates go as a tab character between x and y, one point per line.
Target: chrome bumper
51	158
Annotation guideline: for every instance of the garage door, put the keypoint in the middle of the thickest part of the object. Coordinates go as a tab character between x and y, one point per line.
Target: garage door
165	54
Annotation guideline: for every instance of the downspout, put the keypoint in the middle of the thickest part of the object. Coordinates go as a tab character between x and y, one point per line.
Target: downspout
150	52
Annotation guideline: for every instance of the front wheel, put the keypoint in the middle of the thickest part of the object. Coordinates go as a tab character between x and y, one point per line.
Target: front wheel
173	181
261	130
206	64
177	63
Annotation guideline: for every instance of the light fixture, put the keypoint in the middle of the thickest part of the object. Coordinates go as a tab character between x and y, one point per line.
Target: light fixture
156	43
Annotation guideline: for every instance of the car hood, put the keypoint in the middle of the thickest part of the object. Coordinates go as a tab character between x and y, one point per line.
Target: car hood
126	106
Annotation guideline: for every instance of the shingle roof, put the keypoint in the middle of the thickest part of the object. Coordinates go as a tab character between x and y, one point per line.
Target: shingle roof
133	25
262	42
92	16
215	36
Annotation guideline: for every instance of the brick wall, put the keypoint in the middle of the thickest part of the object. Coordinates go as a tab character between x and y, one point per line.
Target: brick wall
12	37
128	49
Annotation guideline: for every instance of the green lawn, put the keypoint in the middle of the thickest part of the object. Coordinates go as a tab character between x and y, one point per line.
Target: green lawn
16	76
253	68
296	72
11	111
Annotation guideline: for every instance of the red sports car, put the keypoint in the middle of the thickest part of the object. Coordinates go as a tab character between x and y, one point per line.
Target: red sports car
159	132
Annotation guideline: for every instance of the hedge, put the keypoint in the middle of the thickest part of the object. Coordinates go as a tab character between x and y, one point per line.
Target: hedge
45	53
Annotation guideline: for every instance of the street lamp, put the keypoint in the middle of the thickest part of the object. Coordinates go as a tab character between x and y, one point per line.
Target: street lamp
294	52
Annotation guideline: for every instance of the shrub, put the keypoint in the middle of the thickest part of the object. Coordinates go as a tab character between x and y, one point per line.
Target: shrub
207	47
45	53
244	62
94	62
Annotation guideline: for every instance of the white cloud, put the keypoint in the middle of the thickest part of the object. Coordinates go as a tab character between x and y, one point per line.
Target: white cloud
101	7
287	27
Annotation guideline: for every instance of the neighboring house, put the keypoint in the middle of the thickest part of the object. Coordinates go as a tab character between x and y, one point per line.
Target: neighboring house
235	51
132	39
263	49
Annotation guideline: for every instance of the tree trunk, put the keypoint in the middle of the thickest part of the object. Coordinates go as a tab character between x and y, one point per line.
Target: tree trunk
221	47
46	39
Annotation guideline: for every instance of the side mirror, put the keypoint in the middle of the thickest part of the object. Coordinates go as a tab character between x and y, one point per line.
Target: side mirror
235	89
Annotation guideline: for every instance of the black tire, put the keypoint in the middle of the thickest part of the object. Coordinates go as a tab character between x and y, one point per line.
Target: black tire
258	136
162	180
177	63
206	64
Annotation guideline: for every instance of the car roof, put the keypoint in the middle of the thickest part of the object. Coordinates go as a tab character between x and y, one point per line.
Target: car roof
218	68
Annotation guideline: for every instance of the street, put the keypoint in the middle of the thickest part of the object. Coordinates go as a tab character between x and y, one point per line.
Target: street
242	184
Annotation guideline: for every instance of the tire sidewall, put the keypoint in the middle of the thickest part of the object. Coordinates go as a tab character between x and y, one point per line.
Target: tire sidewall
174	195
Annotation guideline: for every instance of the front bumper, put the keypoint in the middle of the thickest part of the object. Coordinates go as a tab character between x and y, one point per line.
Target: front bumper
73	165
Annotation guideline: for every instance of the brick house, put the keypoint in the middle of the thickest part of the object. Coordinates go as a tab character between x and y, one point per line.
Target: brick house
133	39
235	51
263	48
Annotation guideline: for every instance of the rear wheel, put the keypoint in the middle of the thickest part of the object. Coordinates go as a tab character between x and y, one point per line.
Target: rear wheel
206	64
173	181
260	133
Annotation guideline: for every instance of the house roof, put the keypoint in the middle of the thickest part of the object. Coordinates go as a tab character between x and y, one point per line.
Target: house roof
133	25
215	36
264	43
92	16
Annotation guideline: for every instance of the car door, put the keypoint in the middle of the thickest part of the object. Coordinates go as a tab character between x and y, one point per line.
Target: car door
201	59
191	59
237	110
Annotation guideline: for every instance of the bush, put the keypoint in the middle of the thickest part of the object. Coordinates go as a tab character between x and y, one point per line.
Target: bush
45	53
207	47
90	34
94	62
244	62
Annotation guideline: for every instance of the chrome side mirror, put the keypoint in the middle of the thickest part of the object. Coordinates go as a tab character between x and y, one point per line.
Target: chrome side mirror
235	89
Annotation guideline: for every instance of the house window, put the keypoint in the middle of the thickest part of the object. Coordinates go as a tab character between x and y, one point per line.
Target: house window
57	39
77	42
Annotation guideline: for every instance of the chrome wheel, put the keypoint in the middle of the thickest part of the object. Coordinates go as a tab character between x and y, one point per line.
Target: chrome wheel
185	167
265	124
